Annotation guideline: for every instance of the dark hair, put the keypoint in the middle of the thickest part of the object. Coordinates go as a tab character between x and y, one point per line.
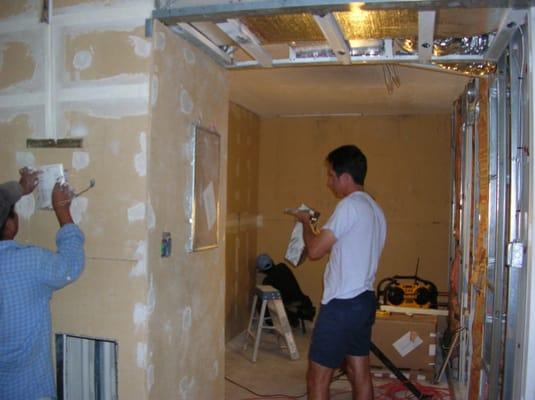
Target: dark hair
10	215
350	159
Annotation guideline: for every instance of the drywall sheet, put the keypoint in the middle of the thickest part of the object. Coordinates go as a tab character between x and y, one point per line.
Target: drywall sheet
186	330
242	217
408	174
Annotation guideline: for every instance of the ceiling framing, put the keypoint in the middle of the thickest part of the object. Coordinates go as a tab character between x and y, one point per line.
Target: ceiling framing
273	33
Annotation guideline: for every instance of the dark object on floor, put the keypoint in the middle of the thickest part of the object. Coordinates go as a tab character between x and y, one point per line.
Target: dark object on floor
390	365
298	306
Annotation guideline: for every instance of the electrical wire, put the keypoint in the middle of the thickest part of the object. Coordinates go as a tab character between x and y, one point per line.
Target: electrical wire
391	77
265	396
395	389
279	395
388	390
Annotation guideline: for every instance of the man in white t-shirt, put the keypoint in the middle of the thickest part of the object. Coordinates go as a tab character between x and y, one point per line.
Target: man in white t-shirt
354	236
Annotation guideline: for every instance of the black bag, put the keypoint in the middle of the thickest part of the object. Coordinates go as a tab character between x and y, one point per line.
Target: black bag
297	305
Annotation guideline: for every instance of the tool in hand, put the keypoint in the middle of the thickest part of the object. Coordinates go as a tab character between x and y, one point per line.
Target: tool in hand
92	183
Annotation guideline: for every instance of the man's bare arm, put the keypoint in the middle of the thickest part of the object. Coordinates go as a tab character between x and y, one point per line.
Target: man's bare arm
317	244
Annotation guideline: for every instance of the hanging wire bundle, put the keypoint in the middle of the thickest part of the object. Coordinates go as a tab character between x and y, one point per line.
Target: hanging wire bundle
391	77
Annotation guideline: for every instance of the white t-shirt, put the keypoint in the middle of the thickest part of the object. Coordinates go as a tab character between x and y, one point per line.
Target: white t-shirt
359	225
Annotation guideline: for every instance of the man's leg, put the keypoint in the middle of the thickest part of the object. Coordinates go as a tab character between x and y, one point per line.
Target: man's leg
318	381
358	373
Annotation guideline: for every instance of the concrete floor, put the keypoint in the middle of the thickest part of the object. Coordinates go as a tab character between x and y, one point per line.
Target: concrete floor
274	373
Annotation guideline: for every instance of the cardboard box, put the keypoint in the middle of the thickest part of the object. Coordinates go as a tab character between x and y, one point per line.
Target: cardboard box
408	341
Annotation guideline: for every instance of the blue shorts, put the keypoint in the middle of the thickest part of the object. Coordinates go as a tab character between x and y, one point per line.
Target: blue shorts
343	327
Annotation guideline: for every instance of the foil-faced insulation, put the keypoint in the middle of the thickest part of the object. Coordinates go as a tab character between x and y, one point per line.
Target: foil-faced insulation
361	24
470	45
471	69
357	24
284	28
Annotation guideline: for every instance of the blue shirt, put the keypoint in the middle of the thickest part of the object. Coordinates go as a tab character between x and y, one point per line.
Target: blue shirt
28	276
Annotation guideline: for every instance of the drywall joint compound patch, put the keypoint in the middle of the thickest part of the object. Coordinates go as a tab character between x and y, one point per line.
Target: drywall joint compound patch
186	104
151	217
115	147
154	90
79	130
141	358
83	59
136	213
80	160
140	159
160	41
187	383
189	55
141	255
186	319
150	377
25	159
141	46
78	208
142	311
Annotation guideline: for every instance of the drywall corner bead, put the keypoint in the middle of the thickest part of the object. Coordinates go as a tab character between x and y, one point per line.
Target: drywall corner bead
25	159
186	104
78	208
80	160
140	159
25	207
136	213
142	47
189	55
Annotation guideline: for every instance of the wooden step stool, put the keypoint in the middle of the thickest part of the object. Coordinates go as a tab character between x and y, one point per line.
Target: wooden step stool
271	299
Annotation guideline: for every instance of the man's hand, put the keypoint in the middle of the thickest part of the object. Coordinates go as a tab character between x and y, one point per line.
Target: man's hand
303	217
28	180
61	202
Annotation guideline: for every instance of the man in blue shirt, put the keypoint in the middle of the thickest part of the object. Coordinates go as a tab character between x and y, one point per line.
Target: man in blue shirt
28	276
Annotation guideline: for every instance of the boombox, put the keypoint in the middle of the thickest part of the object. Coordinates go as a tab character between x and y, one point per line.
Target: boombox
407	291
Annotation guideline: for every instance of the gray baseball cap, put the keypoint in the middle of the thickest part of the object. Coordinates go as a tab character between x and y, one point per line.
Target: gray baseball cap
10	193
264	262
